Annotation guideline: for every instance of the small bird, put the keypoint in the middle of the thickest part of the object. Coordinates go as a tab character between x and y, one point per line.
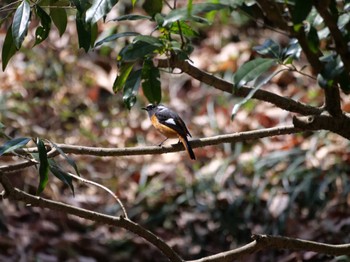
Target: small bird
170	124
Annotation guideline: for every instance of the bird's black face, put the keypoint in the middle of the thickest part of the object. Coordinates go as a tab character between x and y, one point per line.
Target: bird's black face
149	108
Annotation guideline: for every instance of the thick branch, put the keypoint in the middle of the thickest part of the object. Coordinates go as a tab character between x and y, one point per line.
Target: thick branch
339	125
211	80
18	195
153	150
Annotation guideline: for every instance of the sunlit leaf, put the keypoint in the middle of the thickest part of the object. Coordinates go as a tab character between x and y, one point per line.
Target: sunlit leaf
43	167
20	23
13	144
252	70
99	9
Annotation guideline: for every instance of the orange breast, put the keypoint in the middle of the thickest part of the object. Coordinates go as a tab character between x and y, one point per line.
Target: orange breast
165	130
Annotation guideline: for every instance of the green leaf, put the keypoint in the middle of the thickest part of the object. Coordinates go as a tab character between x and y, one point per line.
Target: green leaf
131	88
99	9
141	47
132	17
186	30
301	10
151	83
59	18
8	49
153	7
20	23
43	167
115	37
84	32
259	82
123	75
181	14
42	32
269	48
70	161
13	144
252	70
62	175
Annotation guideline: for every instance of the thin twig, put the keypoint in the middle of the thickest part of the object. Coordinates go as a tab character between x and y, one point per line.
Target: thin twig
84	180
18	195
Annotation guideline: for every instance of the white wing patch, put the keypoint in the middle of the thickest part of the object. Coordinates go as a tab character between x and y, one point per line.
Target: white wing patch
170	121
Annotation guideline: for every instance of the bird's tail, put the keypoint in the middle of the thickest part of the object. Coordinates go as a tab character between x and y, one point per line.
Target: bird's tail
188	147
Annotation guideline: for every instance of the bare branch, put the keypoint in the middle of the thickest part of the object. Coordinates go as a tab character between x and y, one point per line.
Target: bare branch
261	242
19	195
263	95
155	150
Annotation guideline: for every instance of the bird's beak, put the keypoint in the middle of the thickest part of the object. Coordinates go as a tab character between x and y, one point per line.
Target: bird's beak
144	108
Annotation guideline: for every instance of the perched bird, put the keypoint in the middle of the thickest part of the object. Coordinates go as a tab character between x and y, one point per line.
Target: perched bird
170	124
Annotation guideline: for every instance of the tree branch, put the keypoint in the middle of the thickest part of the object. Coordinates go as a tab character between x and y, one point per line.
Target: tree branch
261	242
154	150
19	195
331	22
263	95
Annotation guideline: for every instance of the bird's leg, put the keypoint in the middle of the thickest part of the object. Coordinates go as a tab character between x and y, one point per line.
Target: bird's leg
163	142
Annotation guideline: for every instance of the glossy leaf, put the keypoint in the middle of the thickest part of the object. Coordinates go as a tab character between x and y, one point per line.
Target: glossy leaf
252	70
293	50
151	82
131	88
62	175
269	48
181	14
99	9
13	144
59	18
20	23
42	32
115	37
70	161
8	49
123	75
43	167
301	10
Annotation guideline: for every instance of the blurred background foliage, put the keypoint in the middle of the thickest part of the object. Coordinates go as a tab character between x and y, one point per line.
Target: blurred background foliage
295	185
